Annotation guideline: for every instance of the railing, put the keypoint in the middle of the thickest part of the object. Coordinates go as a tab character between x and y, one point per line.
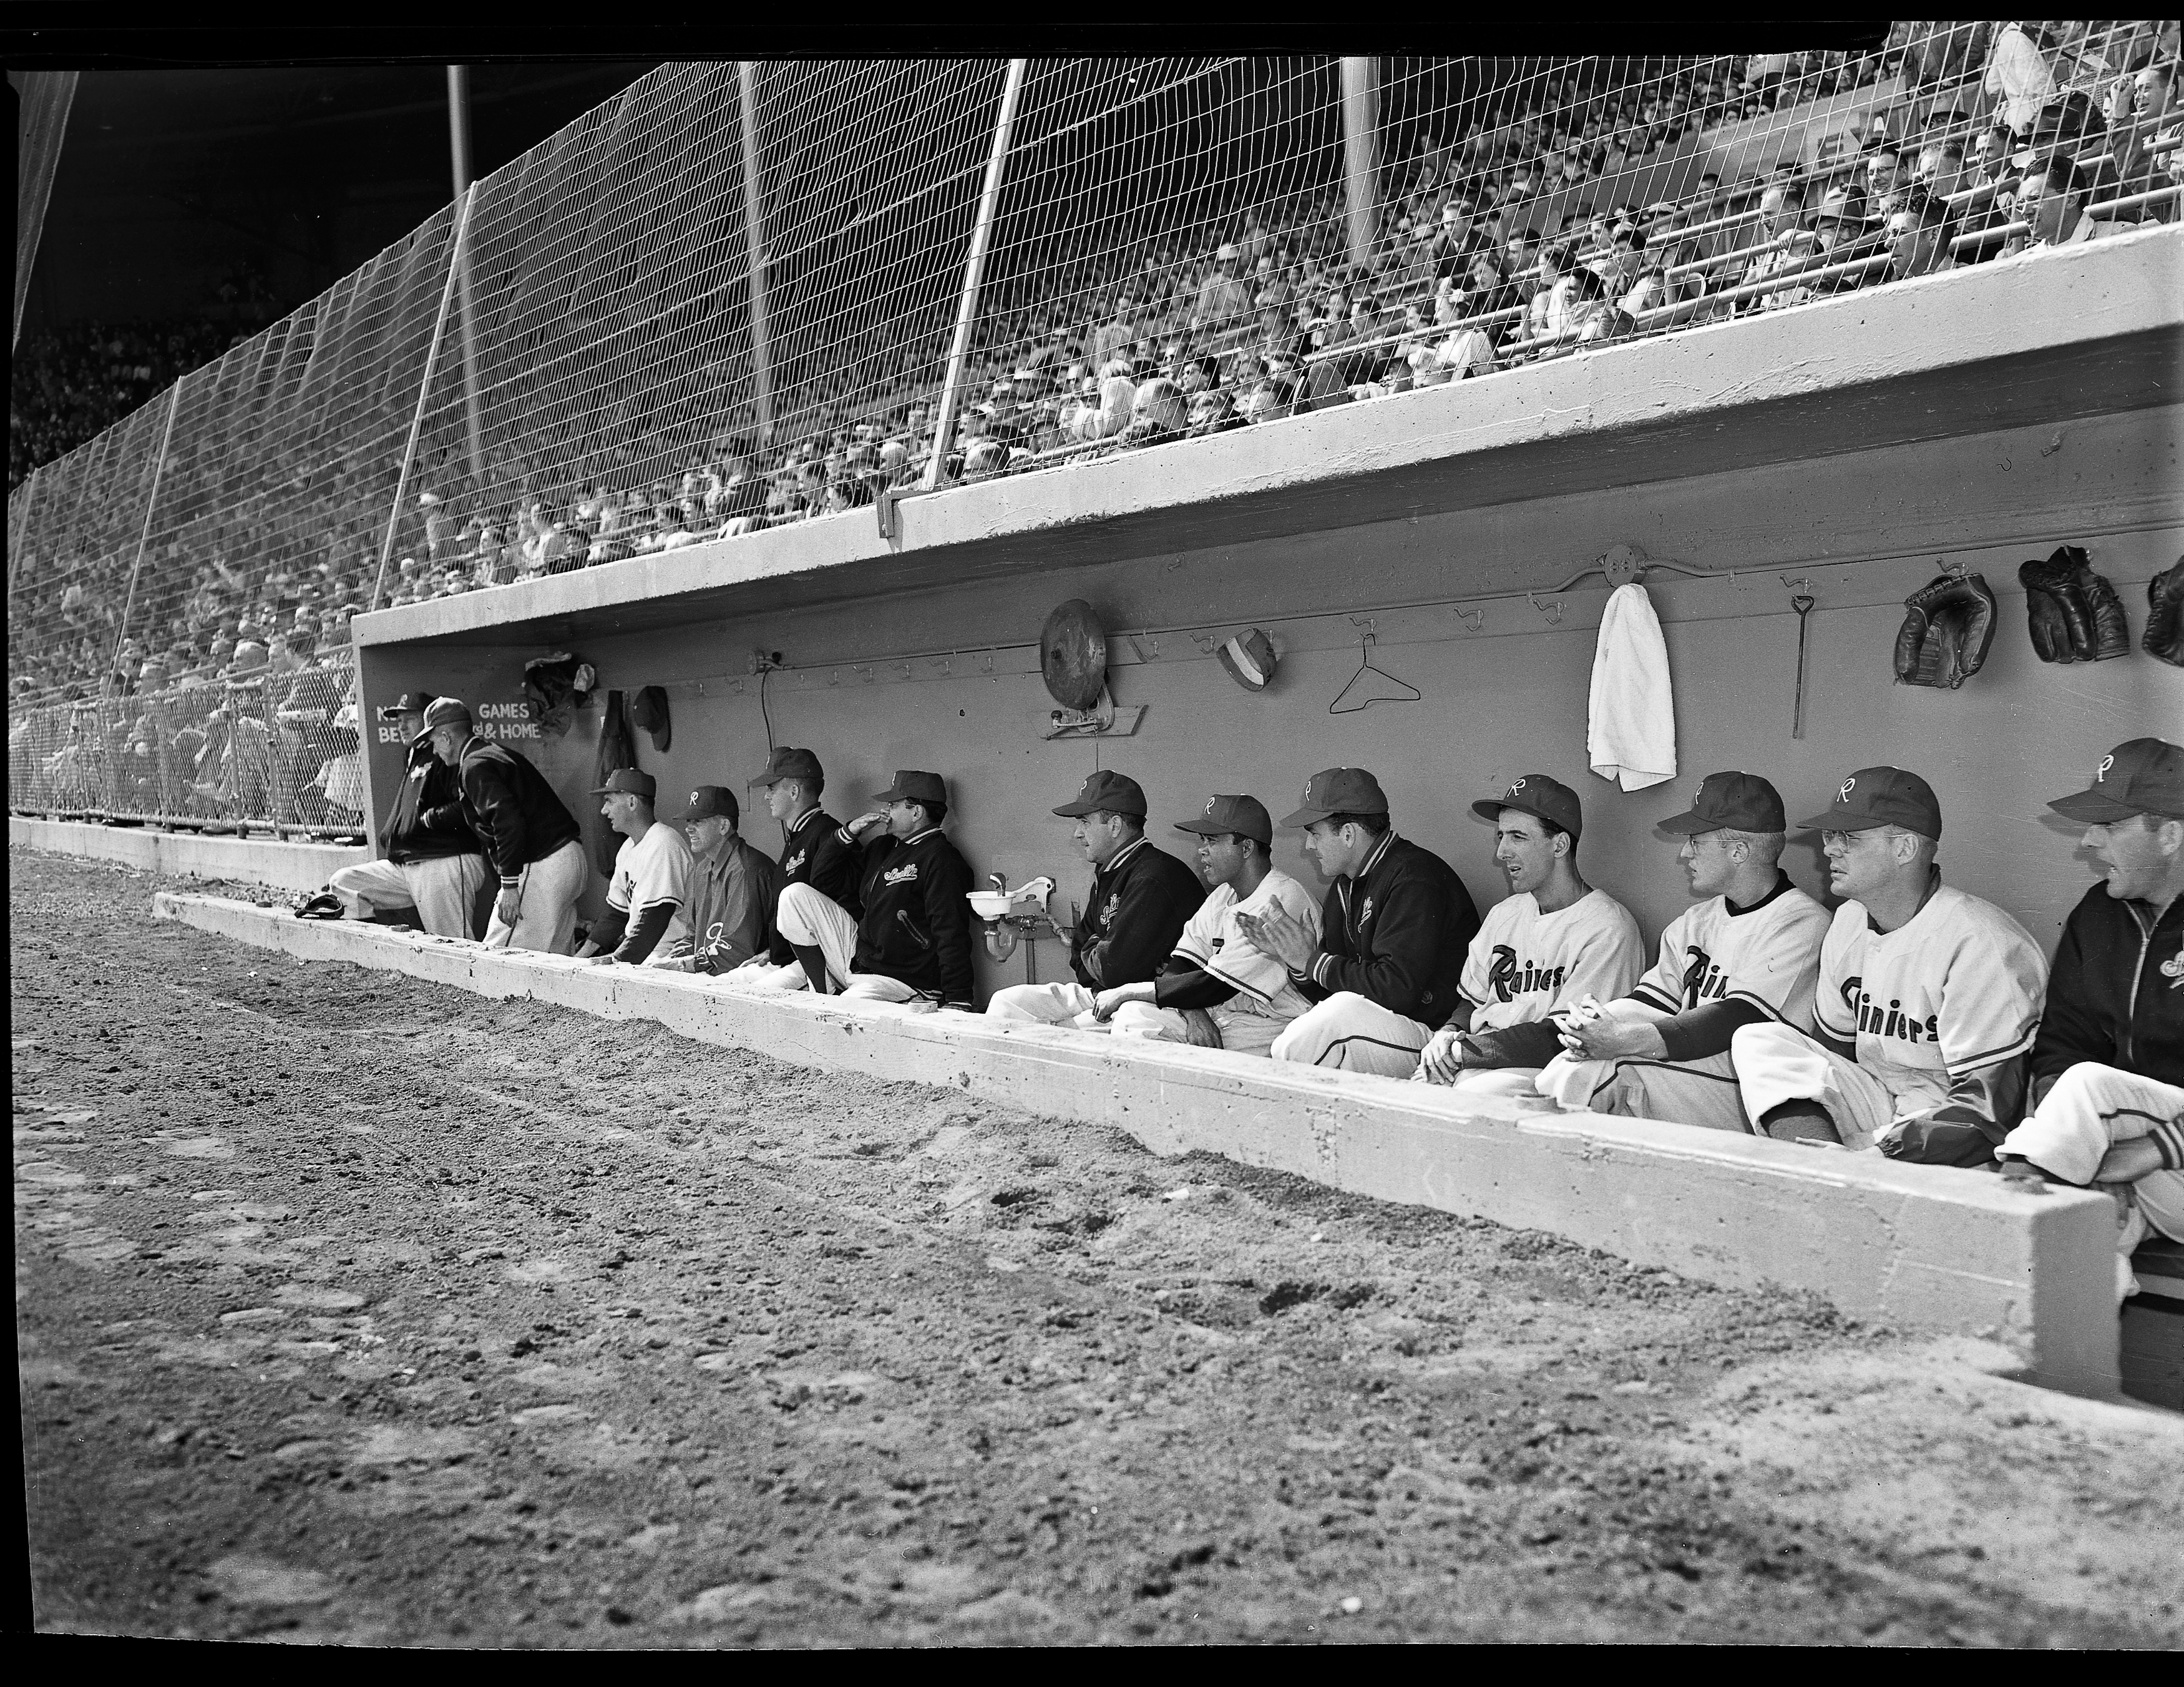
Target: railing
742	295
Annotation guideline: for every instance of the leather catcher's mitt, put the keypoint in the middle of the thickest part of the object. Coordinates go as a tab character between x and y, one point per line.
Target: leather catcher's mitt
2164	615
1948	626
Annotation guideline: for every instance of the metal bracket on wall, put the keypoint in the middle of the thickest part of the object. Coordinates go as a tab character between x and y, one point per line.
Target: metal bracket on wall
1473	619
1552	609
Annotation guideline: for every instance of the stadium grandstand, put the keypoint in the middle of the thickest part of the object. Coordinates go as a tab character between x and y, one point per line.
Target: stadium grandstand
738	298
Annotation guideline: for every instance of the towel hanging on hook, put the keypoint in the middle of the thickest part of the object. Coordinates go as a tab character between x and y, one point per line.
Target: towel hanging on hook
1372	690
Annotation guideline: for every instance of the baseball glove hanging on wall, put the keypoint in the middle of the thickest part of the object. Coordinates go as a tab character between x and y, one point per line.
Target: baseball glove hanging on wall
2074	614
1948	626
1072	655
2164	615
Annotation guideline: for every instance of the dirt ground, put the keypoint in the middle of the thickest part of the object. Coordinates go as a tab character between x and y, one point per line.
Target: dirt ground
353	1308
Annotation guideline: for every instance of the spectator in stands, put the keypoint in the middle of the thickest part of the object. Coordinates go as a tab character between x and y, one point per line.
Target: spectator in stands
2052	201
2017	75
1920	233
2143	134
1789	246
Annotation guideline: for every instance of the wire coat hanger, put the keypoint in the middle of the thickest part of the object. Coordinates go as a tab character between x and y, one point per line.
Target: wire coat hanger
1405	692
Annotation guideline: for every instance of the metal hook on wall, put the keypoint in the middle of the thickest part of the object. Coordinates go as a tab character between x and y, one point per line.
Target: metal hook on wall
1475	619
1802	583
1552	609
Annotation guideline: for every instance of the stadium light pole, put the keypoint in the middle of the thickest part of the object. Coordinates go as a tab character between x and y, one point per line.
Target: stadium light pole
754	243
459	146
1360	127
974	271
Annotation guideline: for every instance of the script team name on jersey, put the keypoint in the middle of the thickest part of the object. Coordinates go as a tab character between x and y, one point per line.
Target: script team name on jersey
1891	1020
1508	979
1703	979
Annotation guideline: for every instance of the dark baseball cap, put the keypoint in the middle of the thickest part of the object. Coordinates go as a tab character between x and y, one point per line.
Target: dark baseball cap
786	763
1247	816
2145	776
446	711
1743	802
410	703
1107	792
629	782
1880	796
709	802
1339	790
911	785
1541	797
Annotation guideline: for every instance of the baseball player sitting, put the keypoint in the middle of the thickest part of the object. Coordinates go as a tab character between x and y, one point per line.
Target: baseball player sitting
433	861
1926	1003
1140	899
1551	943
812	853
912	945
1381	971
529	835
651	881
1747	952
1219	989
734	890
2107	1066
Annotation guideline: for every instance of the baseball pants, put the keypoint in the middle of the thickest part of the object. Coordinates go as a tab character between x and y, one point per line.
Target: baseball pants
2091	1109
1510	1081
1702	1092
1067	1002
1775	1064
763	975
811	919
546	918
442	889
1241	1032
1352	1033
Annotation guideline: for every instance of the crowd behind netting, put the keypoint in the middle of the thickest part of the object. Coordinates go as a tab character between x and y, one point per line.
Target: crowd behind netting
1487	254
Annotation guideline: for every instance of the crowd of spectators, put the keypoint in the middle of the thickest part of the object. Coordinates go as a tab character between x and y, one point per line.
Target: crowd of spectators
1515	236
73	383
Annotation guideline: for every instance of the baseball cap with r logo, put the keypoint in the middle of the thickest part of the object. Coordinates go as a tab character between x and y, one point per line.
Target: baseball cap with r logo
1880	796
1246	816
2145	776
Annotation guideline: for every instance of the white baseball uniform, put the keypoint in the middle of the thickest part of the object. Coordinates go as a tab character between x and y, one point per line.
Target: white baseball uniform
1767	956
1213	939
1526	965
654	872
1936	1008
811	919
2090	1111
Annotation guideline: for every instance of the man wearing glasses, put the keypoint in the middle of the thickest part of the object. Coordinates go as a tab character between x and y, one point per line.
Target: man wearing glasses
1927	1003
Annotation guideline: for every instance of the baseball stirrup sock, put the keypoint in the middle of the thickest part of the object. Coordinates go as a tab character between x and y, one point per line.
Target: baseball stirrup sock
1800	1122
814	968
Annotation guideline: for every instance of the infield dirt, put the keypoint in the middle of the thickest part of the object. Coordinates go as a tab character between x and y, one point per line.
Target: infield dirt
352	1308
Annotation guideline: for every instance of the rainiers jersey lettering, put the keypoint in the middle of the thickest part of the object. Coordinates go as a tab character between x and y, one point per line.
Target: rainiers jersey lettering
1954	990
900	875
652	874
1768	956
1524	965
1213	940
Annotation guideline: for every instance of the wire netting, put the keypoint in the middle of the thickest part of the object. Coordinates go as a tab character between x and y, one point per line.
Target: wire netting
736	295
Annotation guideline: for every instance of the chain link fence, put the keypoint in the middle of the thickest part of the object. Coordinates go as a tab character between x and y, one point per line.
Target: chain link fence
737	296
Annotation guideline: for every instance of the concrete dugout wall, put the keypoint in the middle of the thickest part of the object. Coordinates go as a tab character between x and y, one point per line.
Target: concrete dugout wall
1925	1247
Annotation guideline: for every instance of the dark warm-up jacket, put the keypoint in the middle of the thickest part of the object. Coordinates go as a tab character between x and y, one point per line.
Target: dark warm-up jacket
1397	934
917	922
512	808
815	854
1141	901
427	821
2115	994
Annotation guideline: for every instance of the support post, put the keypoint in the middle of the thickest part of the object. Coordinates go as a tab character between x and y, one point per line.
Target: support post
458	141
144	532
754	243
974	272
1361	138
424	393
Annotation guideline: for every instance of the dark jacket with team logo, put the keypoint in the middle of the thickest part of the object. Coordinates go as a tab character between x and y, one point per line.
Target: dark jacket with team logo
427	823
2115	994
1397	934
1140	902
917	922
815	854
512	808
